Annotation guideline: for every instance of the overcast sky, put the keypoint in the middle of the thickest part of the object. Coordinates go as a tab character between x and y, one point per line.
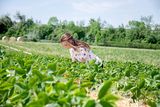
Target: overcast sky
114	12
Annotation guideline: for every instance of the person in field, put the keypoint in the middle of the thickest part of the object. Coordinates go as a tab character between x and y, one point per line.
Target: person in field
79	50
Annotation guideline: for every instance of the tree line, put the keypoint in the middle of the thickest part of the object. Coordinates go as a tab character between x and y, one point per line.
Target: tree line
140	34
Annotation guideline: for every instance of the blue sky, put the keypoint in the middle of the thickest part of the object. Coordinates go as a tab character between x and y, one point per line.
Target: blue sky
114	12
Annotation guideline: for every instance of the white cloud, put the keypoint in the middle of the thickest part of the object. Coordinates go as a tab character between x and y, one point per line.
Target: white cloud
89	6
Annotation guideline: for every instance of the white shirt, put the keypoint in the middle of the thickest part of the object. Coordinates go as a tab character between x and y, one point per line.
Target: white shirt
84	55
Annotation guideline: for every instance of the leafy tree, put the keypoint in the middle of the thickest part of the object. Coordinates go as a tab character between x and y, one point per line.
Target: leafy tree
94	30
53	21
5	23
104	35
147	20
20	17
111	33
21	27
152	39
121	33
44	31
148	23
136	30
11	31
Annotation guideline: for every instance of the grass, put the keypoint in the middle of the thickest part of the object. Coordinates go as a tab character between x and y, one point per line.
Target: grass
148	56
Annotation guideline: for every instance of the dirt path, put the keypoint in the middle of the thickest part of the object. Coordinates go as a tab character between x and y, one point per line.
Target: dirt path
122	102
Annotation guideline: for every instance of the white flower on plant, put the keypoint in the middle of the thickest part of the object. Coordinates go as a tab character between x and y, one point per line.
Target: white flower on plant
10	73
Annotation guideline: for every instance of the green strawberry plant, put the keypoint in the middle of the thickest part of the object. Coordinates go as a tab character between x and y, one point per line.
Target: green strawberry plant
52	81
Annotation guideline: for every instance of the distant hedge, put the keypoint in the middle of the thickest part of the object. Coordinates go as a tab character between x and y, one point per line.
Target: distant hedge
131	45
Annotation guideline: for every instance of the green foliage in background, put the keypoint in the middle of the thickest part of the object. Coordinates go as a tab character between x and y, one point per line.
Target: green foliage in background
137	34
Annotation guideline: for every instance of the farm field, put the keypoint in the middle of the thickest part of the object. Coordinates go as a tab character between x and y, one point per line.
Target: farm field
39	68
46	77
147	56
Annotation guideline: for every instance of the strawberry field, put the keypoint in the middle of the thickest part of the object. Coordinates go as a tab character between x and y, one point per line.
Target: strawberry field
53	81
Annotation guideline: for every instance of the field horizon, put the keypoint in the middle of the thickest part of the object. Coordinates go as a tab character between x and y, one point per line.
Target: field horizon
147	56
